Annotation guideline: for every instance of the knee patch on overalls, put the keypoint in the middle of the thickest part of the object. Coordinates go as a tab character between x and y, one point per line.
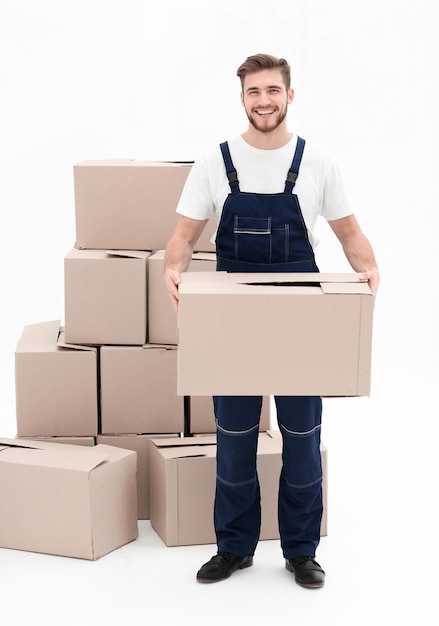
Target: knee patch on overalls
236	455
302	465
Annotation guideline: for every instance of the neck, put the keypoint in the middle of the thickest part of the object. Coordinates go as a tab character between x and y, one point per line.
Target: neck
267	141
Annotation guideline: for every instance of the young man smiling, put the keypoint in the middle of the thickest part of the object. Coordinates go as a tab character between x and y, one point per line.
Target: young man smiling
266	189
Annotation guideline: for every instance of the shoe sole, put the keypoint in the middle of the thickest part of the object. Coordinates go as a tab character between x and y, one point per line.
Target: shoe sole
304	585
217	580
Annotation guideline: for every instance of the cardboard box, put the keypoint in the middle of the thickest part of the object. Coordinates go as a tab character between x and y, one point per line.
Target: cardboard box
162	320
141	445
73	441
66	500
182	487
139	390
274	334
130	204
202	416
106	297
56	384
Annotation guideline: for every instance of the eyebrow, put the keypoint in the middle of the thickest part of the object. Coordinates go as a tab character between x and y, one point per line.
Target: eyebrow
268	87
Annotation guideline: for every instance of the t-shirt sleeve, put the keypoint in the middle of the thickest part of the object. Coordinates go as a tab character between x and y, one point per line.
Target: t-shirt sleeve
335	199
196	198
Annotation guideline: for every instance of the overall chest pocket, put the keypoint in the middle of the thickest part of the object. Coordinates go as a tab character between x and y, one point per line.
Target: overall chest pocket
258	240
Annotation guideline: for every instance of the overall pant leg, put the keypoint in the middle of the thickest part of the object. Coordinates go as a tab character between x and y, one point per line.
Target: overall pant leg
300	485
237	509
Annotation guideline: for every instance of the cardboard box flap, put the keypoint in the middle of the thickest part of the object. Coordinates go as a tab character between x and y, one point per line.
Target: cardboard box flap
196	256
274	435
40	337
159	346
35	444
295	277
6	442
186	453
129	163
203	256
181	442
130	254
61	343
46	337
178	162
223	282
185	447
111	451
348	288
54	458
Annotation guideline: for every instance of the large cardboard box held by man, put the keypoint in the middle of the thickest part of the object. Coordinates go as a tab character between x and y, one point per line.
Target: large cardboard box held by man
182	487
66	500
130	204
274	334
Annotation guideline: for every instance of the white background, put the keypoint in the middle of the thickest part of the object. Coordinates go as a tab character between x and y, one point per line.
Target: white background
98	79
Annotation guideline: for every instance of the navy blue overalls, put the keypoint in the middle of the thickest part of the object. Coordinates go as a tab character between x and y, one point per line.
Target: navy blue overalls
266	233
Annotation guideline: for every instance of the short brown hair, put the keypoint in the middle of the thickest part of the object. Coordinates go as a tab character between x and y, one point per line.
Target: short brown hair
258	62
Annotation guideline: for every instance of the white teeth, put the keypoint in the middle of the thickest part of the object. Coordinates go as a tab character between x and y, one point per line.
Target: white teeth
264	112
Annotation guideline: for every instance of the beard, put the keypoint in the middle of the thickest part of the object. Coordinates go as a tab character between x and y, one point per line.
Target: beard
262	127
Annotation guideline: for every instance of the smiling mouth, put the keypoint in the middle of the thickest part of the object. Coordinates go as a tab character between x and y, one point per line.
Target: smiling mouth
267	112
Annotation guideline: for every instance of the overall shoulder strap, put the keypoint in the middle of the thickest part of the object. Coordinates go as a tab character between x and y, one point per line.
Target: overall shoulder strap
294	169
231	172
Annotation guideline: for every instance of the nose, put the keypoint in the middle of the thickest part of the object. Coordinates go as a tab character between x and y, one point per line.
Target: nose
264	98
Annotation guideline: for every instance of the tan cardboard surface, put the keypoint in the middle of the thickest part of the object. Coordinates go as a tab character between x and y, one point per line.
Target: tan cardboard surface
141	445
130	204
77	441
66	500
56	385
105	295
274	334
139	390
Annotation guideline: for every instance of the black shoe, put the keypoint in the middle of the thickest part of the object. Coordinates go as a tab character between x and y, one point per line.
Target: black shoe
307	571
221	566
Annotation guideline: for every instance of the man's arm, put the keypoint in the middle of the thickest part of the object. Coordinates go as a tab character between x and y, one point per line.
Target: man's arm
178	253
357	249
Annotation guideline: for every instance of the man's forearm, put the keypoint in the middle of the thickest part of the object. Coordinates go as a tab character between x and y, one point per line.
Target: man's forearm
178	255
359	253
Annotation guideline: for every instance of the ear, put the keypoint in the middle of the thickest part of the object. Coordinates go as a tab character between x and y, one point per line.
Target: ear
242	98
290	96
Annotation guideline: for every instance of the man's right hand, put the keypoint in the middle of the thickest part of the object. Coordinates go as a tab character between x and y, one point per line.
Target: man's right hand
179	253
172	280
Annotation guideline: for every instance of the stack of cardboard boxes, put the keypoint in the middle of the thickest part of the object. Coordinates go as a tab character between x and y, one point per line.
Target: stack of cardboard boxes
107	377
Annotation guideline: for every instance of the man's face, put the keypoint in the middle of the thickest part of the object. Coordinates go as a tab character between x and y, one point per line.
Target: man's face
266	99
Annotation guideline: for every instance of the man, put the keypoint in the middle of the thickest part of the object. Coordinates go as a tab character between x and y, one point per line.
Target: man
266	189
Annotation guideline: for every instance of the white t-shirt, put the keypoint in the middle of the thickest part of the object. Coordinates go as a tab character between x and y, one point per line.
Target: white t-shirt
319	186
